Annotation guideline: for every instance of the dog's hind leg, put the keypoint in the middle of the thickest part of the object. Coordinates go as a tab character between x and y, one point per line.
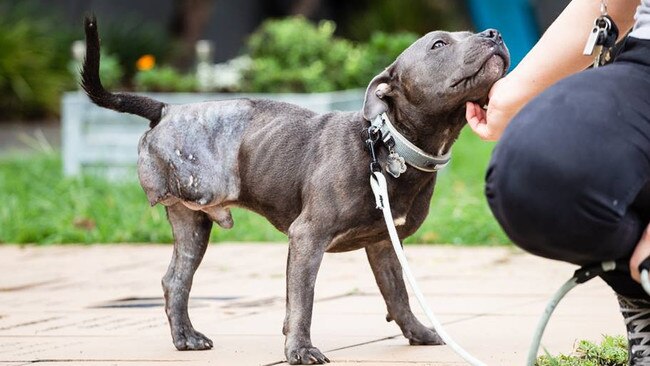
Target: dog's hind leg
388	274
191	234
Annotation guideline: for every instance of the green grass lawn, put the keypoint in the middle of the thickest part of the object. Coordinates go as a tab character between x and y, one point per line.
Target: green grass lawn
39	205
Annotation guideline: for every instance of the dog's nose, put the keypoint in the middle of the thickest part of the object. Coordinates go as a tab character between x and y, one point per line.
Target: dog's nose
492	34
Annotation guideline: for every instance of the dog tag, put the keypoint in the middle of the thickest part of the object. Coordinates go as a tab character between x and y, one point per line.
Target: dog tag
395	165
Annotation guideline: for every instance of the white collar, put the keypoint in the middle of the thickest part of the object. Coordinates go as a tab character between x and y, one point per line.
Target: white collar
404	150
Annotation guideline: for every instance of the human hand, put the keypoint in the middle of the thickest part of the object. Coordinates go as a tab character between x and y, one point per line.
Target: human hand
505	100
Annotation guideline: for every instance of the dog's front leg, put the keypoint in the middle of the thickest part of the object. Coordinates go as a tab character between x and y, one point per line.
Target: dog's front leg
191	234
305	255
388	274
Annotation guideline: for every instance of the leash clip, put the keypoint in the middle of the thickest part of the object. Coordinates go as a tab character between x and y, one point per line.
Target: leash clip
373	137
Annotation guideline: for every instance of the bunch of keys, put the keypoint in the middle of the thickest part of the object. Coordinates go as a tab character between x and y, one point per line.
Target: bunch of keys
602	37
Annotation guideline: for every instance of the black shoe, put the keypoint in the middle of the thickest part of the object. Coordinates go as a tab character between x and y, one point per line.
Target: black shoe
636	313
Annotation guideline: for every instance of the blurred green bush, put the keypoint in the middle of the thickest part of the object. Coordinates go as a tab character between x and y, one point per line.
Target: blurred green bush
131	38
110	70
294	55
363	17
34	56
36	64
287	55
164	79
381	50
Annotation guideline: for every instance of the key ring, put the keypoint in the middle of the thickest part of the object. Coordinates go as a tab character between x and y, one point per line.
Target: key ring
606	26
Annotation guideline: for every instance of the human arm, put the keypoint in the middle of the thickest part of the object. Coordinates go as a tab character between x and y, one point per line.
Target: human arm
556	55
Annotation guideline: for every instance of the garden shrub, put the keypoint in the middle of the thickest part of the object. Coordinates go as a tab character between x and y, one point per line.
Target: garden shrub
294	55
420	16
34	56
383	48
164	79
130	38
287	55
110	71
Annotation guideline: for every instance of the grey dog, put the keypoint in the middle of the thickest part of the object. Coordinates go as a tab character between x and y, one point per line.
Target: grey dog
307	173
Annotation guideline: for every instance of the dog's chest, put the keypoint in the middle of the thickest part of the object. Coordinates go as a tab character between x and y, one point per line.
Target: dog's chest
409	207
374	230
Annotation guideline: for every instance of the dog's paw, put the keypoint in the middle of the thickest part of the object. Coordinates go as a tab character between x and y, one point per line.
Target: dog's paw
306	356
425	337
191	340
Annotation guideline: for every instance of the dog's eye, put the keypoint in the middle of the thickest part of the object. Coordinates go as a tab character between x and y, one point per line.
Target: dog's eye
438	44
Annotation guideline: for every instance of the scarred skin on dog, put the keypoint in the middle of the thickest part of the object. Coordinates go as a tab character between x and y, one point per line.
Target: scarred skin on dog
307	173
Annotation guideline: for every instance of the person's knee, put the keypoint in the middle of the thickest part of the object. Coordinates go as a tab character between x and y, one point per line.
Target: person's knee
541	201
557	182
512	197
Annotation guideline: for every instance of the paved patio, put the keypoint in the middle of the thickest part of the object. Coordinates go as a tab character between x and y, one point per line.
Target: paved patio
102	305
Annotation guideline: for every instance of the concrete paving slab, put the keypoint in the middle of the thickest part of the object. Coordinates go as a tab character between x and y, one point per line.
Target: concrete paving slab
102	305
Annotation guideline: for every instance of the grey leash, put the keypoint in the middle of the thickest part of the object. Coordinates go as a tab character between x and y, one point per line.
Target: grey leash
581	275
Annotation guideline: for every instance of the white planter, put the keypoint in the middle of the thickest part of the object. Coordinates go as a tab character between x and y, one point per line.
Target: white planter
106	141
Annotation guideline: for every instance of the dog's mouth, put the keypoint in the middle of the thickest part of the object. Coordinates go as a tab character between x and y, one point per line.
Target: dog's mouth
493	67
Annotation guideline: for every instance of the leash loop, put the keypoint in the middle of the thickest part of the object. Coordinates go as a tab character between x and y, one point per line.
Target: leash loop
378	185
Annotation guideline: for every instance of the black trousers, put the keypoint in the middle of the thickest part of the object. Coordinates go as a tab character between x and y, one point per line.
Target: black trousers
570	178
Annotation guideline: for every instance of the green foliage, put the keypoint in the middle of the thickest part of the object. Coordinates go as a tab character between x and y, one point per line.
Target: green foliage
164	79
40	206
382	49
418	16
130	38
612	351
110	71
34	53
294	55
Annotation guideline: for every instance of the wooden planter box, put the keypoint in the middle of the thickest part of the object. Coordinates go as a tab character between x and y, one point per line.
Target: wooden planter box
105	141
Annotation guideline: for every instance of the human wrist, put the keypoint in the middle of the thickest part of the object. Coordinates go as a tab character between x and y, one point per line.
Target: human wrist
509	95
522	87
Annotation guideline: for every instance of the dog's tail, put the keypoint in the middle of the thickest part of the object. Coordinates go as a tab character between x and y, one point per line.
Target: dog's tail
121	102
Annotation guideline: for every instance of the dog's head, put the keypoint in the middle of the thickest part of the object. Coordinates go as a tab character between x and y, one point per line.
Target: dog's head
437	74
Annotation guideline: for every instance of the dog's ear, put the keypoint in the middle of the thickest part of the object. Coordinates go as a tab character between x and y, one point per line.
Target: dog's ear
374	103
